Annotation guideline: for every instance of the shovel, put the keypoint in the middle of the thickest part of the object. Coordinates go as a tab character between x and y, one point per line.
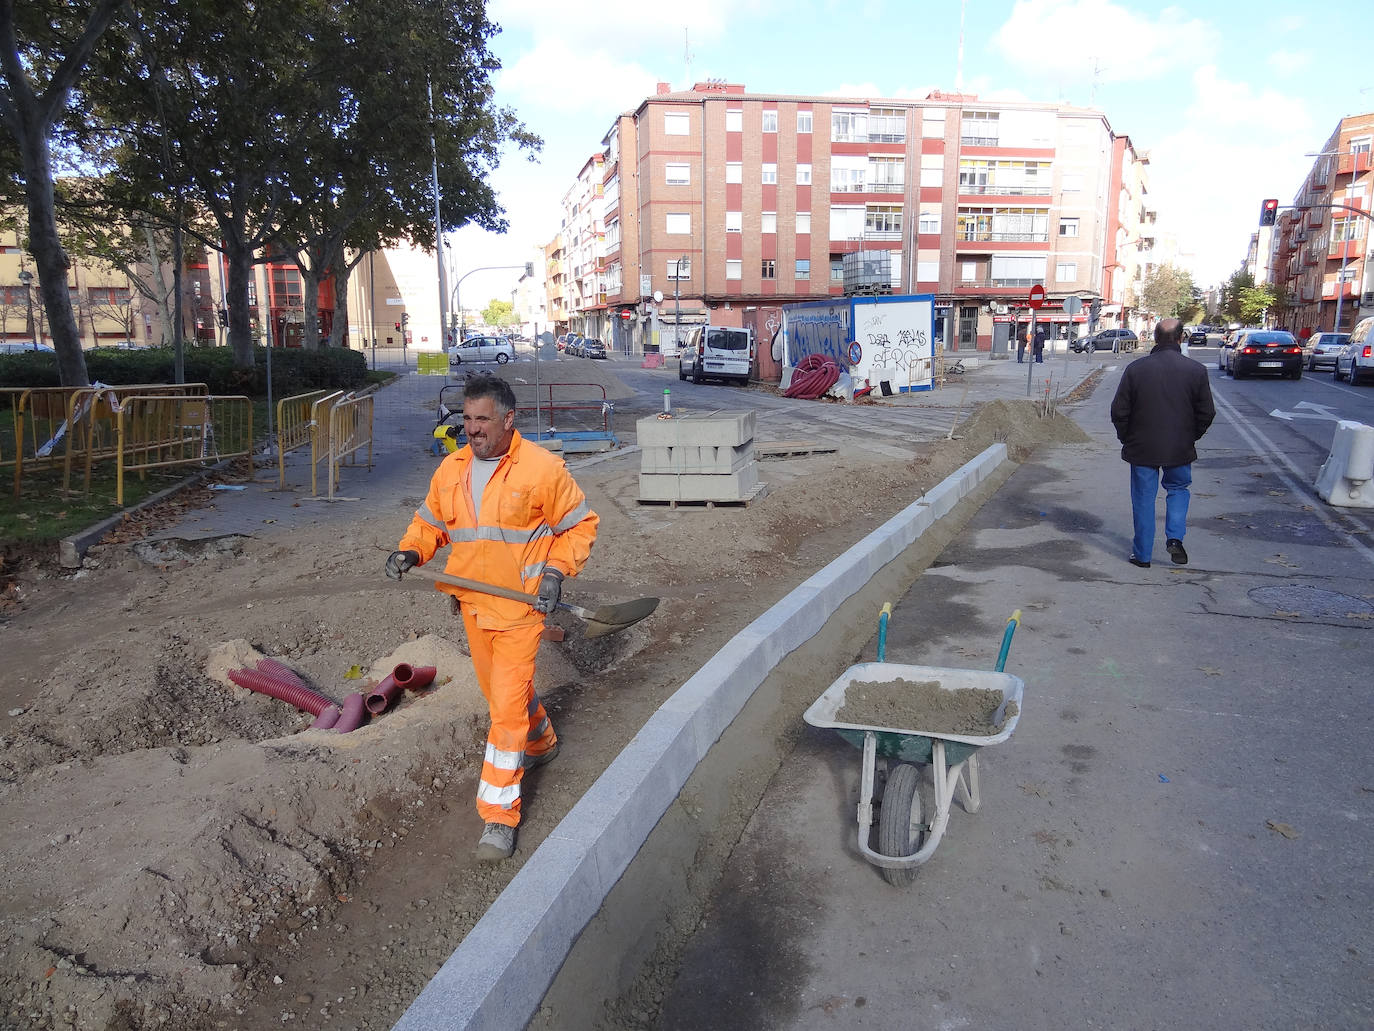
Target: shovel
606	619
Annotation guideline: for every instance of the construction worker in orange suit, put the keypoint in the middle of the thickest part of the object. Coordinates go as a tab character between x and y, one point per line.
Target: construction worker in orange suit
515	518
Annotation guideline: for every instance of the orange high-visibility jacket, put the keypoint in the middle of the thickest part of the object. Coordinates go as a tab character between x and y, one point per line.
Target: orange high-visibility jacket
533	514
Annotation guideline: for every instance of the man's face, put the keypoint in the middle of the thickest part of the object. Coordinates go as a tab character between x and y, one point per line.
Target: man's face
489	434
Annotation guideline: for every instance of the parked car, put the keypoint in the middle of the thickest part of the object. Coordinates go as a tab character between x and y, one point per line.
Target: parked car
593	348
1108	340
1323	348
1259	351
1198	337
574	347
1225	349
19	347
483	349
1355	361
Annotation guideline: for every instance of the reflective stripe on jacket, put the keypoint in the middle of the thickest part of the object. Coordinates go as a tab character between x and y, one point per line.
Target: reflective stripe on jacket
533	514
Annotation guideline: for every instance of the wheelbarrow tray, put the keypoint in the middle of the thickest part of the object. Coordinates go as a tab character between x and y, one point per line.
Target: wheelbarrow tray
913	744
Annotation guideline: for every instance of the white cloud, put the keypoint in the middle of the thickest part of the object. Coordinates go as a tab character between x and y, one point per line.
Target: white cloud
629	25
1077	40
1234	146
1290	62
558	77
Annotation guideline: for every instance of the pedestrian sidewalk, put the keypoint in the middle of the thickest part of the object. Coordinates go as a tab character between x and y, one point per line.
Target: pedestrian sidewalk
1177	831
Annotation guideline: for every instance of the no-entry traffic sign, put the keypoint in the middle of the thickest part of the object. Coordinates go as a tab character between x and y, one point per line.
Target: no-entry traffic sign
1036	297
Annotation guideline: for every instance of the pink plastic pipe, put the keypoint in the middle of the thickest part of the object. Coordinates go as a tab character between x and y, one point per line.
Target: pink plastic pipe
354	712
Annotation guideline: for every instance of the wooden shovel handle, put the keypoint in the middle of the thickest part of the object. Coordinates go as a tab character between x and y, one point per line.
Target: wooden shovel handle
473	585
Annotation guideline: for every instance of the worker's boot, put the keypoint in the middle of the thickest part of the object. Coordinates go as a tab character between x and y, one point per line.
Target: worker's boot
496	843
533	762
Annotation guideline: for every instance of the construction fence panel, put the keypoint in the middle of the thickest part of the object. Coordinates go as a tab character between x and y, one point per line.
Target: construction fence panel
91	432
319	435
350	430
295	426
159	432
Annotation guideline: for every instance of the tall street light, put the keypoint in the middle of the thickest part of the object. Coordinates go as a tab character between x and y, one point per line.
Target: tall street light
26	277
677	303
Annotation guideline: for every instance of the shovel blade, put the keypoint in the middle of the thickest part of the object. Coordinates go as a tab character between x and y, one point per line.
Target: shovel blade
611	619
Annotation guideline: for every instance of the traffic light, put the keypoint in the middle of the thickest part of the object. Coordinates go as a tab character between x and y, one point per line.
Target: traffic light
1269	211
405	319
398	327
223	316
529	268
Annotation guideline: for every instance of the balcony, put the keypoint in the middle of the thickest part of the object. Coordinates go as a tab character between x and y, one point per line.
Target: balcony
1005	191
1315	217
1348	164
885	188
996	284
978	141
988	237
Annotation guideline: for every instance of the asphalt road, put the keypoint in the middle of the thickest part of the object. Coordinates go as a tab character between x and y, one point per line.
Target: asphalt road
1177	835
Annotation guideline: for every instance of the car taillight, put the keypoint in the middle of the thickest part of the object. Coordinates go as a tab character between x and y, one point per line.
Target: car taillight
1249	350
1366	352
1292	350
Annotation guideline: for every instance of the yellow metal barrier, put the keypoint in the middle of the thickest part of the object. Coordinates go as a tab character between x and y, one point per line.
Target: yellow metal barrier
295	426
90	426
350	430
155	432
319	435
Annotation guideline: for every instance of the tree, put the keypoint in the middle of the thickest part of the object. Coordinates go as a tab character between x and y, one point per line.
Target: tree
1253	303
1168	292
44	50
499	313
1240	281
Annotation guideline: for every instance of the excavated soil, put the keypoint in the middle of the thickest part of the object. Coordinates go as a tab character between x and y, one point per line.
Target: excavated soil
180	852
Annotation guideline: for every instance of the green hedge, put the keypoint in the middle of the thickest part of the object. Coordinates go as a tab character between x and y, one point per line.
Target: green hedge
293	371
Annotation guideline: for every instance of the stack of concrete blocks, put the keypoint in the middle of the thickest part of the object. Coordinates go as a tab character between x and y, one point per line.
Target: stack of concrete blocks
698	458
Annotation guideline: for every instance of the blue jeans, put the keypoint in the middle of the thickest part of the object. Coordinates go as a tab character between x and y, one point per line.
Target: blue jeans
1145	480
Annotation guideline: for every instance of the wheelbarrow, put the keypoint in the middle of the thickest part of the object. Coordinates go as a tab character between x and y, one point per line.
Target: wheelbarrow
906	839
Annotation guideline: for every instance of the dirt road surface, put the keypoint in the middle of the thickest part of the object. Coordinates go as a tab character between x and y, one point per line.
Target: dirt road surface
183	853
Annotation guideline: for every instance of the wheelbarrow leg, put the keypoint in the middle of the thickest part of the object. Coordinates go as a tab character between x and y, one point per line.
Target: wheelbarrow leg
870	762
966	787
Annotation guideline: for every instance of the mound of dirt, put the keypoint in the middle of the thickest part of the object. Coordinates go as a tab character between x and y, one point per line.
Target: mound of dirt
1019	425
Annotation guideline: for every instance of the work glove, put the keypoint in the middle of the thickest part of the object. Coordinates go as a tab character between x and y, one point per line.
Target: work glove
399	561
550	590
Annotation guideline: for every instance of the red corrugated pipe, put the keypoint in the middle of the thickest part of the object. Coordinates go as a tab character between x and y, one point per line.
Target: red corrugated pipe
815	375
354	712
404	677
289	690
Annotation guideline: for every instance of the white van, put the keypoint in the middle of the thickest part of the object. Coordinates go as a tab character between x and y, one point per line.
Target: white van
717	352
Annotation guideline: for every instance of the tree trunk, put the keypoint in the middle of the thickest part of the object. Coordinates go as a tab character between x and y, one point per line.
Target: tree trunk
338	332
240	262
164	311
52	262
310	293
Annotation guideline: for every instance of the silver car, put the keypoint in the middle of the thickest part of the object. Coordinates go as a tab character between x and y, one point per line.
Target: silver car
1324	348
1355	361
483	349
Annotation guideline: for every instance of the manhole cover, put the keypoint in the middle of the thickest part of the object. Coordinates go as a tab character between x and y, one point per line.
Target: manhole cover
1310	601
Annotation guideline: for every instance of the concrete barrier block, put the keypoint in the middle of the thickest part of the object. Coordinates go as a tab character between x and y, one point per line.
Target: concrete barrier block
1345	478
691	458
711	429
734	486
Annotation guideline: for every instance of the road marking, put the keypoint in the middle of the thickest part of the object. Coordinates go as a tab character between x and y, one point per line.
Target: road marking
1269	453
1321	412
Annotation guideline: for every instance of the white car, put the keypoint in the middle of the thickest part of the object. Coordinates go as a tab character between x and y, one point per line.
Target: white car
1355	361
483	349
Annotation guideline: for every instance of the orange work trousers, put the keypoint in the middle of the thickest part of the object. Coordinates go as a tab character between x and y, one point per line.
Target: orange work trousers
504	663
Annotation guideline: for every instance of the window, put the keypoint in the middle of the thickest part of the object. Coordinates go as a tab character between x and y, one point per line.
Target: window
1066	272
734	268
1360	146
769	223
1068	227
1018	270
887	125
803	268
734	172
883	221
803	121
933	125
932	177
846	221
978	129
679	223
927	271
929	222
886	175
676	124
968	271
1073	181
770	121
803	223
112	295
849	126
803	175
768	269
770	173
678	174
680	268
847	173
734	121
837	268
734	221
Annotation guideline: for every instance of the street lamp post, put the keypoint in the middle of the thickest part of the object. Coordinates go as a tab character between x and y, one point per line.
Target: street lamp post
677	304
26	277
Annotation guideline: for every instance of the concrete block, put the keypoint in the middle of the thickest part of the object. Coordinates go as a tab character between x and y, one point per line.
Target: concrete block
1344	478
734	486
691	458
708	429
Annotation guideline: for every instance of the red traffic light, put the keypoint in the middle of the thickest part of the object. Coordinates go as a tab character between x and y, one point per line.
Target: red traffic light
1269	211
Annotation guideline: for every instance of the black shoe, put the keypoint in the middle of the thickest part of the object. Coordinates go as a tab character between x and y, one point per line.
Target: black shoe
1136	562
1176	551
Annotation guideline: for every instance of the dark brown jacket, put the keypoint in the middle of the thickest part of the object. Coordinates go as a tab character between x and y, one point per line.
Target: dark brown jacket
1162	407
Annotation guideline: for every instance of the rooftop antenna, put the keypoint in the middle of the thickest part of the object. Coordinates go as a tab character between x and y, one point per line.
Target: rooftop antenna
687	55
1092	92
959	67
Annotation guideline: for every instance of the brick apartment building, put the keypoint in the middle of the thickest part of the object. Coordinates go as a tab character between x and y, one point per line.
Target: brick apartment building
1319	252
717	204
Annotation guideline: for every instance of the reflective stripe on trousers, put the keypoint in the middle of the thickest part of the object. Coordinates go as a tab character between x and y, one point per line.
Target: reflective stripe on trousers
504	663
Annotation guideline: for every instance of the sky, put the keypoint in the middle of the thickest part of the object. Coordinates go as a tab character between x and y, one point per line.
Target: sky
1225	96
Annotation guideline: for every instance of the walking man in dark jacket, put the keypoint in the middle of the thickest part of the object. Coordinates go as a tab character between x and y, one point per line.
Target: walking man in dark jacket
1162	408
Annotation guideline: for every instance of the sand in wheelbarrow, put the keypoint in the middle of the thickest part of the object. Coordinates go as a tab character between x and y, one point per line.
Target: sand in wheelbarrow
924	705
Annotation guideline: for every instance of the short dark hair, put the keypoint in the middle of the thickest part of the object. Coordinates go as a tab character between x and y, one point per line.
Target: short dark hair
493	387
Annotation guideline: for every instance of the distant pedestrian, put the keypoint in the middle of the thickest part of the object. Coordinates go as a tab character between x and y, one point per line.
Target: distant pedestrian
1020	343
1162	408
1041	335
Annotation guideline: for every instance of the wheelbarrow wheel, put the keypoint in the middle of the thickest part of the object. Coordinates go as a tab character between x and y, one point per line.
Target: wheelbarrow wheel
900	827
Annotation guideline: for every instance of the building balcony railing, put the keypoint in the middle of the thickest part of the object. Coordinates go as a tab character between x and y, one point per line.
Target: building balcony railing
1005	191
1352	163
882	234
1330	290
887	137
996	284
1003	238
978	141
886	187
1315	218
